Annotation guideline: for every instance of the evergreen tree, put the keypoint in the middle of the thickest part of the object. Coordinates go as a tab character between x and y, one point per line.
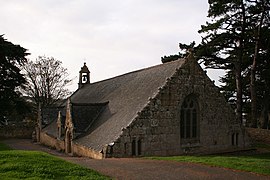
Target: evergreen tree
223	45
233	41
260	21
182	54
12	57
237	39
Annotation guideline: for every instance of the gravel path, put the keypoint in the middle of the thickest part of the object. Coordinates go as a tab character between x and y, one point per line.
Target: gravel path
138	168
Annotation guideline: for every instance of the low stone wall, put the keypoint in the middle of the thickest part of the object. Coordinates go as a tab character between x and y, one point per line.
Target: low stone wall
51	142
259	135
17	131
80	150
77	150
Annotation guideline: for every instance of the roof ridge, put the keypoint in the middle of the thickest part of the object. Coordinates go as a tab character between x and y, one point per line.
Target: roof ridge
90	104
135	71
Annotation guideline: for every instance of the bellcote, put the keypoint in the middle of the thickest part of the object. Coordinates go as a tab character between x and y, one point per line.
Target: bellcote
84	76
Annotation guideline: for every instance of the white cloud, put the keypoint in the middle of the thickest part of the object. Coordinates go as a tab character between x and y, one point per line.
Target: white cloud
113	37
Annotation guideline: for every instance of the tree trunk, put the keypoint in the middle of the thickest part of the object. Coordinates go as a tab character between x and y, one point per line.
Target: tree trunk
238	80
253	94
253	90
265	111
238	67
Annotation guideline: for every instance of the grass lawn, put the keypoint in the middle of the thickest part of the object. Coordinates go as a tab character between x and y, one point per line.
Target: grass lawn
16	164
258	163
4	147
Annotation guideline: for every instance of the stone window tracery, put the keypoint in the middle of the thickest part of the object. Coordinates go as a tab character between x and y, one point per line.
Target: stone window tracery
189	120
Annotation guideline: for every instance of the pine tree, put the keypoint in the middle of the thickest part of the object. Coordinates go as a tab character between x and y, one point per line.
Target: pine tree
223	45
12	57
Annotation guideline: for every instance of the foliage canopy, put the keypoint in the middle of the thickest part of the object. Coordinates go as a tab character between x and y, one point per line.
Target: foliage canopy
12	58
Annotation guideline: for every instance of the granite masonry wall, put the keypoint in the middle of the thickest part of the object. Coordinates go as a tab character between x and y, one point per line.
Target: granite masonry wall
79	150
259	135
17	131
156	129
52	141
76	149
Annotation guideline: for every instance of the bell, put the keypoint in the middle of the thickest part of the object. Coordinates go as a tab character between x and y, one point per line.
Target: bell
84	78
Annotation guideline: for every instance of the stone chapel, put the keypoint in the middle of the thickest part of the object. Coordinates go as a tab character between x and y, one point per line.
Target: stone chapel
164	110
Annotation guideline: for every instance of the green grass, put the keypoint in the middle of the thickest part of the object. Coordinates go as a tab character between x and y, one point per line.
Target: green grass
259	163
262	146
4	147
16	164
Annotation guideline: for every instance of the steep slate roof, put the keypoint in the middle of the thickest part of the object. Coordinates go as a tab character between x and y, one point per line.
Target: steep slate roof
83	115
51	113
127	95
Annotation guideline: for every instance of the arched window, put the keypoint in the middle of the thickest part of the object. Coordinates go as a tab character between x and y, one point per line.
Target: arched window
189	121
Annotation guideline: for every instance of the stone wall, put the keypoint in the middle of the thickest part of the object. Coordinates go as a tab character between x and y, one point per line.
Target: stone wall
156	129
52	141
259	135
80	150
77	150
17	131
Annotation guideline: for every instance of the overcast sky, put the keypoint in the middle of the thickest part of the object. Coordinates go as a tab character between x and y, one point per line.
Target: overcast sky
112	37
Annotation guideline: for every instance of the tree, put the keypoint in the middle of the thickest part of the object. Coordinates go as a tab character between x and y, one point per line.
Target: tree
261	21
233	42
262	78
223	45
182	54
12	57
47	81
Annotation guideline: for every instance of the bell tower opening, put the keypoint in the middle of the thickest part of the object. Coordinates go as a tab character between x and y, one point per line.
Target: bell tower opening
84	77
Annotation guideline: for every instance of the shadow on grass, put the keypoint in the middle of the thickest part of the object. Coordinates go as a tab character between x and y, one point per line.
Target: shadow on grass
4	147
20	164
254	161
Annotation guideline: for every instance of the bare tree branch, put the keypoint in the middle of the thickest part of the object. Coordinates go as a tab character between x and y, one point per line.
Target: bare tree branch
47	80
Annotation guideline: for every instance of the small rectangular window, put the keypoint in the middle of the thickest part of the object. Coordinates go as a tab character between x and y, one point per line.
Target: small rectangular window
125	148
233	139
139	147
133	147
236	139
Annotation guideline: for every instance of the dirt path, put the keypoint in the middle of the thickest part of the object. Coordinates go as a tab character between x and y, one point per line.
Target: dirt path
138	168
